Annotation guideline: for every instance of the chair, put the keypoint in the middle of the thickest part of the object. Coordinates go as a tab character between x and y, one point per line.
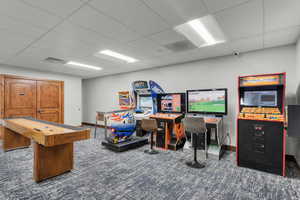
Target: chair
150	125
100	117
196	126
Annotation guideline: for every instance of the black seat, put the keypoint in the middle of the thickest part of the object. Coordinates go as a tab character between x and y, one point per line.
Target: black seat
196	127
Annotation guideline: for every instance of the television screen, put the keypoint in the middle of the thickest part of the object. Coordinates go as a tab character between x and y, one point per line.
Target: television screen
171	102
260	98
146	101
207	101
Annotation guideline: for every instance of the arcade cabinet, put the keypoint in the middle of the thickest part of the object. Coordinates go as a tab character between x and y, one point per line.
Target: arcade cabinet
260	132
211	104
146	101
144	104
122	128
171	108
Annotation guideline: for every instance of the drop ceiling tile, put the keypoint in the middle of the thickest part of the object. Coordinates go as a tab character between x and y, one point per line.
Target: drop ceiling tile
281	37
242	21
12	43
34	58
62	47
133	13
221	49
178	11
23	12
72	32
147	48
89	18
56	7
18	27
217	5
280	14
193	55
167	37
27	62
247	44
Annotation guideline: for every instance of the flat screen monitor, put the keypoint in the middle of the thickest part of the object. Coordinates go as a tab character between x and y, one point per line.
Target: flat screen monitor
208	101
260	98
171	103
145	101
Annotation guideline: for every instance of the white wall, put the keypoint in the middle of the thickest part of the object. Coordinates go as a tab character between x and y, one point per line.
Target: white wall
73	90
298	69
100	94
296	141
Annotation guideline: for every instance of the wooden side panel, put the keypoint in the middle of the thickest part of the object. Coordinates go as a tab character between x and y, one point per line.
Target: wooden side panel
46	134
1	96
67	138
62	97
50	101
20	98
1	132
1	105
13	140
52	161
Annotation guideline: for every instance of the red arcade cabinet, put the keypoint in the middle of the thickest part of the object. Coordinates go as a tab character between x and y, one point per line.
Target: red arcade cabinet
260	132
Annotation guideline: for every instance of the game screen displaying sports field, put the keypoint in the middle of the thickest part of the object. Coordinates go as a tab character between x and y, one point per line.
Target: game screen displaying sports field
207	101
171	103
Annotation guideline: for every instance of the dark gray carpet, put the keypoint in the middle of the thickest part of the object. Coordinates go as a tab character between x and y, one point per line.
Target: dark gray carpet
102	174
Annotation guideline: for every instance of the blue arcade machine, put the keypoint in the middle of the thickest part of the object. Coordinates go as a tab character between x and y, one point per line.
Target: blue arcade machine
145	97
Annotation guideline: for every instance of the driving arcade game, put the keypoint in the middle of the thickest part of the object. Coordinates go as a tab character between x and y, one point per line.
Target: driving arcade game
261	137
145	100
119	129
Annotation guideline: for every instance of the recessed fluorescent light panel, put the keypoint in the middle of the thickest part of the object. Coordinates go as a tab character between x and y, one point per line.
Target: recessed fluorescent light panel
83	65
204	31
118	56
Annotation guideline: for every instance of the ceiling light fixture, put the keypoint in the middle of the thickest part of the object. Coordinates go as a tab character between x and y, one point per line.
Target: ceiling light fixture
83	65
204	31
118	56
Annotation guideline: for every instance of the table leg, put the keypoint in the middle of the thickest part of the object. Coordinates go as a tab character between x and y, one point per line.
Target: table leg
52	161
13	140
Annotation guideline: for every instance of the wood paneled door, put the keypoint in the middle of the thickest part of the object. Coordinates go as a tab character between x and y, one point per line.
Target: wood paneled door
50	101
1	104
20	98
30	97
1	96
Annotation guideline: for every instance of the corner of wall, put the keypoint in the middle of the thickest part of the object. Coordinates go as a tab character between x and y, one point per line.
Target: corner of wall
298	70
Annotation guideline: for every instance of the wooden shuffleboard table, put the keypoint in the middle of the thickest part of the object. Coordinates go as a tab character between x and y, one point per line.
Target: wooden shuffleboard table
52	144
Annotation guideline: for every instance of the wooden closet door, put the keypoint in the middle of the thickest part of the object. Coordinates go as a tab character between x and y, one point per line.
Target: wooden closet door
20	98
1	105
1	96
50	101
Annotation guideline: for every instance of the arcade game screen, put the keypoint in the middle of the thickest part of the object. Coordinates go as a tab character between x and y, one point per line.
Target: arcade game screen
207	101
146	101
171	103
260	98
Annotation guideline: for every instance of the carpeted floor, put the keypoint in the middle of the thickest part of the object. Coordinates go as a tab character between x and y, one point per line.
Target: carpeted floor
101	174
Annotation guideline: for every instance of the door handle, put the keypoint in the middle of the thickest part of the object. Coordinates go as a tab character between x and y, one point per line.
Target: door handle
40	111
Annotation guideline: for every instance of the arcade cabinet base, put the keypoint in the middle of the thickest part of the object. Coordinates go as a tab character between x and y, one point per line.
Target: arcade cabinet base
135	142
